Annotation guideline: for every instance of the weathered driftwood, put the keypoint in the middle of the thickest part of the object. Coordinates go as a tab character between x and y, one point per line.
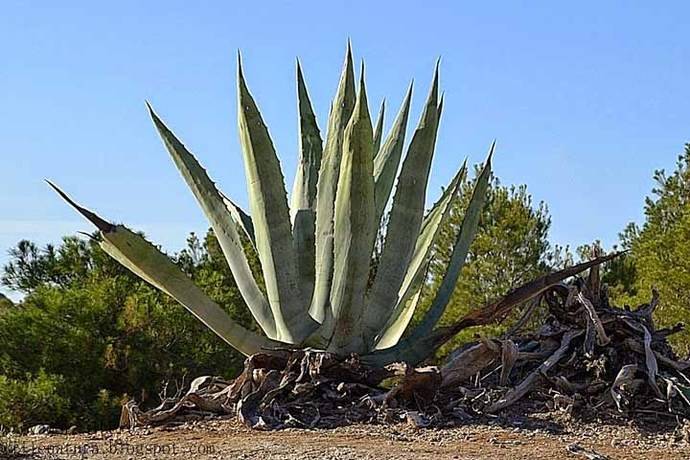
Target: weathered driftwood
509	354
515	394
625	379
469	362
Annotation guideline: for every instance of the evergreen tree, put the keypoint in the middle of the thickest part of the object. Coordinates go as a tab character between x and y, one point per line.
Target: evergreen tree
660	252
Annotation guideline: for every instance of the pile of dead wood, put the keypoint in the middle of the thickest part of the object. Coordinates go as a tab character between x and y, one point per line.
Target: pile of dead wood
307	389
588	358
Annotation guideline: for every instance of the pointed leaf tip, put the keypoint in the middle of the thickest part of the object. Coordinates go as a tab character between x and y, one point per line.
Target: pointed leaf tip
240	72
362	83
361	102
152	113
433	92
349	60
101	224
408	95
378	130
491	152
301	84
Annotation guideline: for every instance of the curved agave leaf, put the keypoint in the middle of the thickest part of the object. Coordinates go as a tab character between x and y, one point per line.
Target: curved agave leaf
461	247
378	130
387	158
222	220
154	267
414	349
271	218
440	207
431	227
416	270
440	110
355	228
240	217
402	315
341	109
405	219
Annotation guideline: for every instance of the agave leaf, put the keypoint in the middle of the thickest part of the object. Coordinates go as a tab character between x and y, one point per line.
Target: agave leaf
413	349
303	234
416	270
303	207
378	130
240	217
304	188
221	218
431	227
355	228
402	315
387	158
461	247
341	109
154	267
405	219
440	109
271	218
440	206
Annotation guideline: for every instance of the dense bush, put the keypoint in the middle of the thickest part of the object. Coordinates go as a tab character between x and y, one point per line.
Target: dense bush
32	400
91	334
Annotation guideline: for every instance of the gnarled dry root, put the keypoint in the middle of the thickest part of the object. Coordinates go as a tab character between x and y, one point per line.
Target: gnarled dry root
308	389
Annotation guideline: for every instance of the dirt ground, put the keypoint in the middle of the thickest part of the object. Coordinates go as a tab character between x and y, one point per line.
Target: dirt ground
227	439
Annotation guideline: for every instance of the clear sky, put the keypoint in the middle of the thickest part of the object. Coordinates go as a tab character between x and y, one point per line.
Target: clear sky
585	99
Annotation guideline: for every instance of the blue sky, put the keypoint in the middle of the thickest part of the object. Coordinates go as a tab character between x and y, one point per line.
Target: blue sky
585	99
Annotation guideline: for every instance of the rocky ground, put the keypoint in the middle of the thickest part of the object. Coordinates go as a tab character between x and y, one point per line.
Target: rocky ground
227	439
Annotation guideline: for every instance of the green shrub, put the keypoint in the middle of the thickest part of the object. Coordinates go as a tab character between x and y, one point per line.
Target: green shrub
101	333
32	400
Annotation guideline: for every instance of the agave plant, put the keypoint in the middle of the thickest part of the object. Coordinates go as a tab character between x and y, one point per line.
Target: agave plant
320	288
